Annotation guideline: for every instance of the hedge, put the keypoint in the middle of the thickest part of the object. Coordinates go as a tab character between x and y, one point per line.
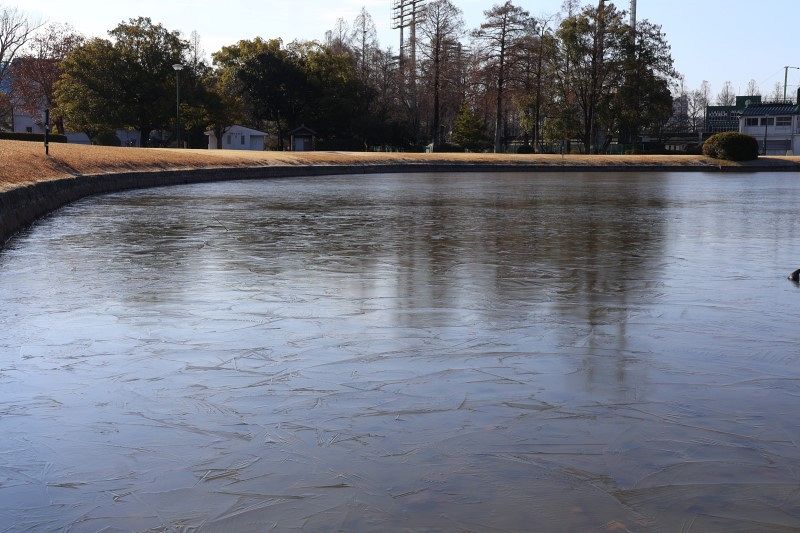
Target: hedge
106	138
32	137
731	146
525	149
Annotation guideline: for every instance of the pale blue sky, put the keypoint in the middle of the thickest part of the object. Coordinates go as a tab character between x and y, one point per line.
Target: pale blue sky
714	40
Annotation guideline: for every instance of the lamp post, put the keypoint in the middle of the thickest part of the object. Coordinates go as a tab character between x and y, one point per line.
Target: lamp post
178	68
47	131
786	80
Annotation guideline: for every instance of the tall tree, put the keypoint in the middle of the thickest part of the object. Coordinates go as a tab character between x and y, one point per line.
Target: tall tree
499	38
276	87
440	31
643	101
593	48
129	82
340	38
366	36
753	89
195	56
533	75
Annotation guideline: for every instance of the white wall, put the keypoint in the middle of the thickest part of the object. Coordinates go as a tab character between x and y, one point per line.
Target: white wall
23	121
238	141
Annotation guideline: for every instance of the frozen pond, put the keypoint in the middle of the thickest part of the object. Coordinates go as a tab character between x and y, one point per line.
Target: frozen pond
429	352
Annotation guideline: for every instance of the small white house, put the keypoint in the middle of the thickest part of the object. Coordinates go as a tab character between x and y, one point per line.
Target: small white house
776	127
238	138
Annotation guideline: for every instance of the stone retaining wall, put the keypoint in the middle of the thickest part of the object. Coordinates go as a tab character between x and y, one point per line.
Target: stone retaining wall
22	206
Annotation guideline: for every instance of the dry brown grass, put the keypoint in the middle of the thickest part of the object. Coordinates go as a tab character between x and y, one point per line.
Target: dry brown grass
25	162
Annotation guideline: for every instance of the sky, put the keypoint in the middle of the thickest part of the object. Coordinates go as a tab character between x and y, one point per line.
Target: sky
713	40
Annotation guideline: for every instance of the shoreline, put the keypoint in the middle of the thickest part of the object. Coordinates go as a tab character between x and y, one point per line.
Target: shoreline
61	180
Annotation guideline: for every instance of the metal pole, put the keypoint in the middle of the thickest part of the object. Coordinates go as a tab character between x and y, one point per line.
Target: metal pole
178	107
46	132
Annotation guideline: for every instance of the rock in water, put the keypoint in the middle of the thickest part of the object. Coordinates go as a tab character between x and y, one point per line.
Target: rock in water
795	276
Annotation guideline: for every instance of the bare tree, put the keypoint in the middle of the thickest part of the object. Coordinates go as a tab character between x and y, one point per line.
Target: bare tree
16	30
726	96
753	88
366	37
441	29
339	39
196	54
36	71
569	8
777	92
698	102
499	38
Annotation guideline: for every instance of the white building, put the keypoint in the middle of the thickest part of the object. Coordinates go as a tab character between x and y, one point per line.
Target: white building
239	138
776	127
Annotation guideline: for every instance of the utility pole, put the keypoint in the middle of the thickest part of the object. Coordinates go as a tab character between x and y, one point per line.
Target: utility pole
406	14
786	80
597	68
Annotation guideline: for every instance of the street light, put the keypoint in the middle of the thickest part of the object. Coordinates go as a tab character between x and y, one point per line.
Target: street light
178	68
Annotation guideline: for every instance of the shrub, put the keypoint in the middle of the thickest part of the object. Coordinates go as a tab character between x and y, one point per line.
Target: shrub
694	149
731	146
448	148
525	149
469	131
32	137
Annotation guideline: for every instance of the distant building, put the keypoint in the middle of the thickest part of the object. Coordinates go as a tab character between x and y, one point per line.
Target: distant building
239	138
303	139
775	126
721	118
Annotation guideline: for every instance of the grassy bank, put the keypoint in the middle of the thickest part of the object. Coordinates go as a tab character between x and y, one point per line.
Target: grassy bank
25	162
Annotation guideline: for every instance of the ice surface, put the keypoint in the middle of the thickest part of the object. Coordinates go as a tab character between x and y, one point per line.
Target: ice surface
407	352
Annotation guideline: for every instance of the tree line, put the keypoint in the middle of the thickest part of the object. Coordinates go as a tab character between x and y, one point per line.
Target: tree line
577	80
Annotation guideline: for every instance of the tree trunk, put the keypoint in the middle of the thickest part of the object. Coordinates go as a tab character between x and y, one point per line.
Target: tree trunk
219	131
537	135
144	136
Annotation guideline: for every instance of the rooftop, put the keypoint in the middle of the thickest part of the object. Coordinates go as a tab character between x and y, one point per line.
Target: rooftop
770	109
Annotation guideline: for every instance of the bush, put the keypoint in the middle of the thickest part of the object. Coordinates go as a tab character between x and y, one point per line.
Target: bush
445	148
694	149
525	149
731	146
32	137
